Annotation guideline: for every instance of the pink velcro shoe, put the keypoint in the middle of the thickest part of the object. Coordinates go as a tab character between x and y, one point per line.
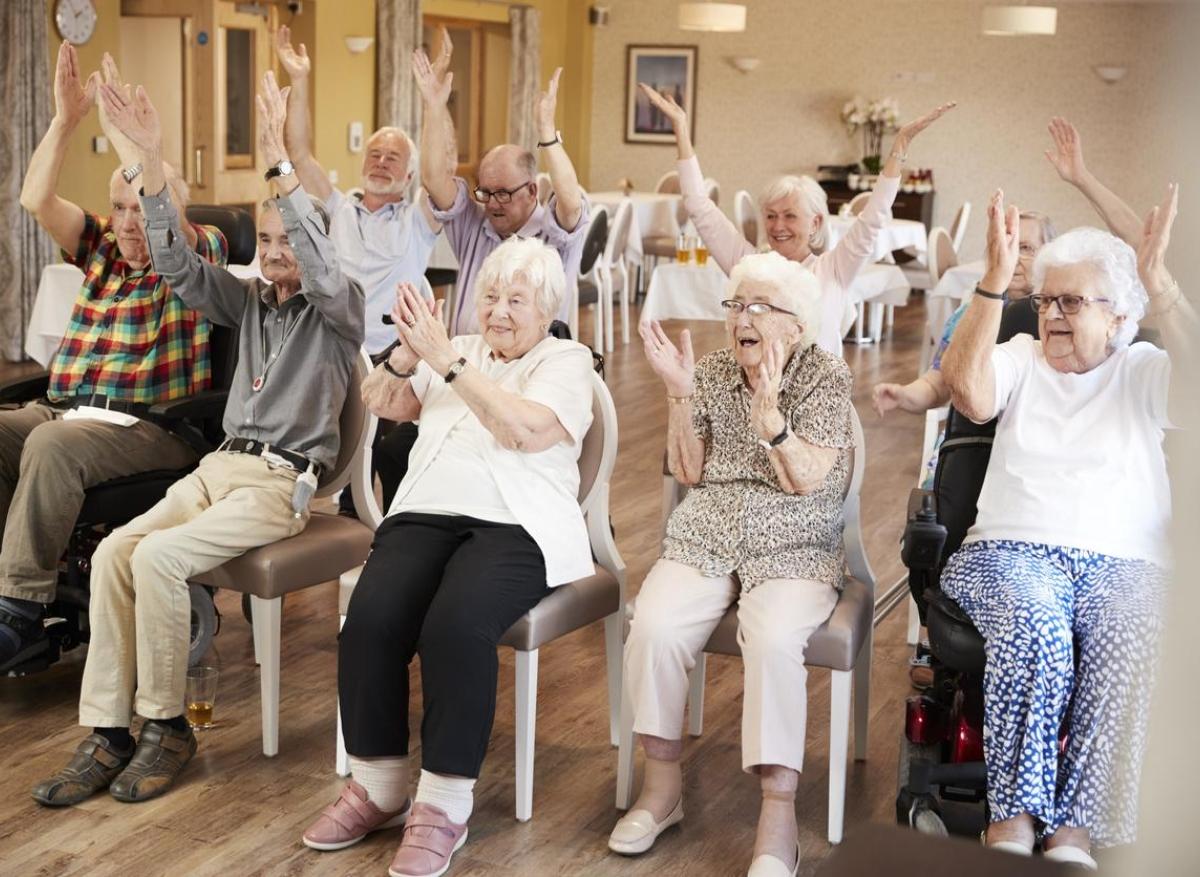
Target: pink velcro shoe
430	839
349	819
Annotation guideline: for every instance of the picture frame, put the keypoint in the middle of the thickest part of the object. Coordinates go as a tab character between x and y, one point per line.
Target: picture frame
668	68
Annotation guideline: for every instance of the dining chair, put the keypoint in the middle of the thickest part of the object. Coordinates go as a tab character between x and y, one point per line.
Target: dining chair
745	215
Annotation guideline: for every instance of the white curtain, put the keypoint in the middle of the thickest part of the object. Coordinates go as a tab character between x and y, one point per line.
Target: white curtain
398	33
24	81
524	75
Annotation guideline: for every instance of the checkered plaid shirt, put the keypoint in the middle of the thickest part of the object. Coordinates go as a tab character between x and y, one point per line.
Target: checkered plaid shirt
129	337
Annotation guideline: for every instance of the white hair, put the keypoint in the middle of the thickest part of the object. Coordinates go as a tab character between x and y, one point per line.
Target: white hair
532	261
812	198
798	286
1117	263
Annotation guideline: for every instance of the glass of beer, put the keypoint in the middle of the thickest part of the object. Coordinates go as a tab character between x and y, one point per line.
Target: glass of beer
200	696
683	250
701	253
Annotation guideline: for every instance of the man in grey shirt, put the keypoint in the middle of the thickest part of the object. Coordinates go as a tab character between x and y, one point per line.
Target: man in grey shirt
298	337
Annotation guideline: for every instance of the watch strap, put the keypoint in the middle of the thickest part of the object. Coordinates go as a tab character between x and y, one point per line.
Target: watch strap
549	143
456	369
994	296
781	438
388	367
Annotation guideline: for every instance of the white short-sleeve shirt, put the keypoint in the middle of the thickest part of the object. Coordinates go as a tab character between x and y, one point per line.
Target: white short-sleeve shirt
540	490
1078	459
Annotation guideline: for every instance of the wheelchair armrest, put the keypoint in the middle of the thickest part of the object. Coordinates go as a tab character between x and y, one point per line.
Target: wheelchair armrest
924	537
25	389
202	406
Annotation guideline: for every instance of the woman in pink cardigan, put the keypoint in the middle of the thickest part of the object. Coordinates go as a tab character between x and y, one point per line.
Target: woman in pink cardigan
794	211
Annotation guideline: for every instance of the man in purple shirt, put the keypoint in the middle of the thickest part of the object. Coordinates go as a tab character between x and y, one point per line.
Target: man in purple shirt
505	201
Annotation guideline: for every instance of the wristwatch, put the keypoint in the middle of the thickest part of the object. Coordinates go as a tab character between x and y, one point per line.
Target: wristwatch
456	369
282	169
777	441
548	143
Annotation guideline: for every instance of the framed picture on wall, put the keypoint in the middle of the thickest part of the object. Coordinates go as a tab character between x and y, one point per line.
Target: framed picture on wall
669	70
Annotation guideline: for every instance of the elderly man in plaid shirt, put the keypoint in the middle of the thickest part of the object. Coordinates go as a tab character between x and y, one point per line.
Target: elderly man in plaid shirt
130	344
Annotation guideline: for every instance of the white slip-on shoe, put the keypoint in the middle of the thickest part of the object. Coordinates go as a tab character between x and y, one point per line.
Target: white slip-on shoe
1010	846
636	831
1069	855
769	866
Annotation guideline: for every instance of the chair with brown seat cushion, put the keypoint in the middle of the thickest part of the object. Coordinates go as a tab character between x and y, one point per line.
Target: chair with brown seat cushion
842	644
566	608
325	549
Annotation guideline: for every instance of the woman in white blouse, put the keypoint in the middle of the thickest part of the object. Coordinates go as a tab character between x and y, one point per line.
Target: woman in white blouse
484	524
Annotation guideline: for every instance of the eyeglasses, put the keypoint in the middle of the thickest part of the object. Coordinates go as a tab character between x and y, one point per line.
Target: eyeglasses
755	308
502	196
1068	304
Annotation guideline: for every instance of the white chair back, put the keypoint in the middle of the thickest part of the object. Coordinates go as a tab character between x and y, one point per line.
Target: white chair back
958	228
618	234
713	190
544	189
668	183
745	215
859	203
941	254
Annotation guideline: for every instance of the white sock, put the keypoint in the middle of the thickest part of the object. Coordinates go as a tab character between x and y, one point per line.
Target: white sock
385	779
455	795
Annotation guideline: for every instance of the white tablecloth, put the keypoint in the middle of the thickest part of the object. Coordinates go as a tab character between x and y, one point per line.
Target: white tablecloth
56	294
896	235
688	292
949	293
653	215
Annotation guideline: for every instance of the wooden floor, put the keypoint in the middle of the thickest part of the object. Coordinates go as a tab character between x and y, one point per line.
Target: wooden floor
237	812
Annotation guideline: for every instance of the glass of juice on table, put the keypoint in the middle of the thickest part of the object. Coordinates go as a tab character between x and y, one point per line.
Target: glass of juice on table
201	695
701	253
683	250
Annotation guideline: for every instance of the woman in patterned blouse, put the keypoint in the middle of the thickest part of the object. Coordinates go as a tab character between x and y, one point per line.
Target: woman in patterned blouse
760	431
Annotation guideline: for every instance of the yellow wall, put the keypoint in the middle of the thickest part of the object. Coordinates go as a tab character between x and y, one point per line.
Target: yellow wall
85	174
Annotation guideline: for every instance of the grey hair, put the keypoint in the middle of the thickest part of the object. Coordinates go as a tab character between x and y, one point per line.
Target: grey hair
810	195
1044	222
797	284
1117	263
414	155
318	205
181	194
530	260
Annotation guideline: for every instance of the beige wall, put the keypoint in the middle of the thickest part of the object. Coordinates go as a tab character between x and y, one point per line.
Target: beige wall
783	117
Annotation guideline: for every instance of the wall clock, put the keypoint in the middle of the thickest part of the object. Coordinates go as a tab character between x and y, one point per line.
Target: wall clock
76	20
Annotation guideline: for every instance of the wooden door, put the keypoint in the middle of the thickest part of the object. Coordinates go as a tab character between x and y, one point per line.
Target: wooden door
241	55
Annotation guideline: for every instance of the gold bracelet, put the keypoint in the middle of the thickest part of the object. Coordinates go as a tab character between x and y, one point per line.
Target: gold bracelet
678	400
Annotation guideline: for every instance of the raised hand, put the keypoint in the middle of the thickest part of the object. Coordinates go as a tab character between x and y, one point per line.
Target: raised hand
133	115
765	415
1067	154
435	90
886	397
1156	237
670	109
442	63
1003	244
72	96
295	62
906	134
676	366
421	329
272	113
544	108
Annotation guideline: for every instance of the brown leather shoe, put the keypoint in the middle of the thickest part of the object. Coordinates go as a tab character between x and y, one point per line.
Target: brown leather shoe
93	767
159	758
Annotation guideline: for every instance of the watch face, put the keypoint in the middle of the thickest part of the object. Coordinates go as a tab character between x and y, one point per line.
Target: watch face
285	167
75	20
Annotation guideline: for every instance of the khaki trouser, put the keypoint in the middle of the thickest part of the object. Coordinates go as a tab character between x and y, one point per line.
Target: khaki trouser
46	463
677	610
140	606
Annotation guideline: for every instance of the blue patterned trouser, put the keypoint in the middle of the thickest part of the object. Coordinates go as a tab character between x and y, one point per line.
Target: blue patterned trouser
1033	603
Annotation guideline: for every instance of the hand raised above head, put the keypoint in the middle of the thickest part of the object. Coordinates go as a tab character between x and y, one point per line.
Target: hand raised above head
1067	155
73	97
675	365
442	63
666	103
272	114
1003	244
907	132
133	115
1156	237
545	106
434	90
295	61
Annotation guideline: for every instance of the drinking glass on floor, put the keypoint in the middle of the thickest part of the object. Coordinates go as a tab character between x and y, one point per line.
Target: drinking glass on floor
201	695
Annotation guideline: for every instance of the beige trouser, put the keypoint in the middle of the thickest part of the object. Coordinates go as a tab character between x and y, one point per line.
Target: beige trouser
140	606
46	464
675	613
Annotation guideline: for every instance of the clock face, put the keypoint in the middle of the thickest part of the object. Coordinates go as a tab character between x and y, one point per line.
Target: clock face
76	19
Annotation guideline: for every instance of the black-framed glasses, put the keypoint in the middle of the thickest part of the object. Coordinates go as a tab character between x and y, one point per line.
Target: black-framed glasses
502	196
754	309
1068	304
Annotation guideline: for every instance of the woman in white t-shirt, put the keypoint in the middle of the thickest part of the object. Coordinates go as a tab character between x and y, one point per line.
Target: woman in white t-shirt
484	524
1068	551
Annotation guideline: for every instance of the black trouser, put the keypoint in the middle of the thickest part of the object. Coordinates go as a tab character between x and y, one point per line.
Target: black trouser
389	460
446	588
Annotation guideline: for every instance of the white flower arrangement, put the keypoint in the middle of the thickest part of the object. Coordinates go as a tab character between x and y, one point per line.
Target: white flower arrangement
874	118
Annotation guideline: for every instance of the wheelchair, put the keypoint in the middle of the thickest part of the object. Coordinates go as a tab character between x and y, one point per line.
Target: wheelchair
107	506
942	777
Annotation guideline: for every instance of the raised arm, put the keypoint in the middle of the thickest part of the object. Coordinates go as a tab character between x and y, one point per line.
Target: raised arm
568	200
127	151
298	133
437	127
73	97
338	298
387	391
967	365
1067	158
1169	311
677	368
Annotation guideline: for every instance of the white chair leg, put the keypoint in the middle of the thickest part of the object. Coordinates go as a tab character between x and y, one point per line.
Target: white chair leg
914	622
255	635
839	733
624	302
875	330
889	317
598	326
862	696
341	760
613	654
608	310
696	696
526	691
267	615
625	760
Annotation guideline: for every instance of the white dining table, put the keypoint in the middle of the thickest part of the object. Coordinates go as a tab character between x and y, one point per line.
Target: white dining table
654	215
949	293
56	293
896	234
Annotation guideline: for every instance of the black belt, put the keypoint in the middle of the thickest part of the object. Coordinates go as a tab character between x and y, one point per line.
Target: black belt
99	400
299	462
